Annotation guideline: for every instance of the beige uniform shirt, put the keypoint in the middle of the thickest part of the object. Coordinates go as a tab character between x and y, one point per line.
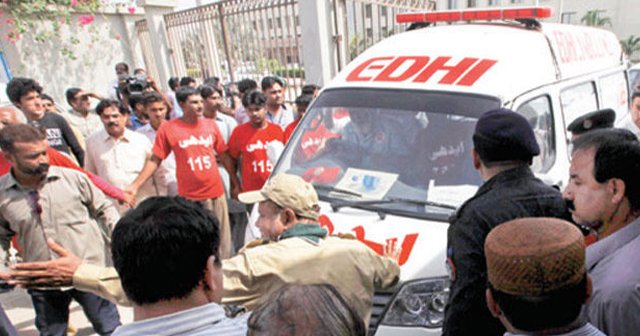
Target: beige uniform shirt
119	161
347	264
354	269
68	208
87	125
101	281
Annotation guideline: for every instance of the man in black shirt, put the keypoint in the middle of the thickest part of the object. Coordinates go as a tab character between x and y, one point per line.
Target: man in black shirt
504	146
24	93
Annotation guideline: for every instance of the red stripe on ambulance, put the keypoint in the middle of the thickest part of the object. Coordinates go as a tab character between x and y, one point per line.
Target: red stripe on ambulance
420	69
407	244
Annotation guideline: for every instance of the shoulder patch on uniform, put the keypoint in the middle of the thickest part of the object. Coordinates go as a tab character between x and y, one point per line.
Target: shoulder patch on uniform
451	267
344	236
256	242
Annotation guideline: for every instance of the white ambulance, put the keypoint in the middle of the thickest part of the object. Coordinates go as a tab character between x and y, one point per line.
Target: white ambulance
387	143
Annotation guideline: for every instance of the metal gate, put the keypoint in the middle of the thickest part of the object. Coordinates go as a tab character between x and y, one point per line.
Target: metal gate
237	39
147	50
359	24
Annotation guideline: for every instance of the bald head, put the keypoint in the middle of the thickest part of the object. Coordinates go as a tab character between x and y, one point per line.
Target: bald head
8	116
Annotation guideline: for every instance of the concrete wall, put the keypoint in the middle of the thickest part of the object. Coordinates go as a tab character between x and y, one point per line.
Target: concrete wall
114	40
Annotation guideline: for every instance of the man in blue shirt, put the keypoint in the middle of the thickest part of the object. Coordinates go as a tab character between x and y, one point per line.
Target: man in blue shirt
166	254
604	194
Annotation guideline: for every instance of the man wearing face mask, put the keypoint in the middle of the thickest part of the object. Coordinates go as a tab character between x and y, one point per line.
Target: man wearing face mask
38	202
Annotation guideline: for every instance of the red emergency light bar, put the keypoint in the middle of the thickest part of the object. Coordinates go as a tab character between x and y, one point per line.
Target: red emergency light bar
477	14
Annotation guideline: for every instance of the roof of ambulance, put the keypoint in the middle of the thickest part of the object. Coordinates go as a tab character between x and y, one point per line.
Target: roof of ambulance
498	59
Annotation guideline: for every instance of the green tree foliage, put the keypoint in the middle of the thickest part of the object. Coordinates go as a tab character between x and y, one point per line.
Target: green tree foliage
630	45
594	18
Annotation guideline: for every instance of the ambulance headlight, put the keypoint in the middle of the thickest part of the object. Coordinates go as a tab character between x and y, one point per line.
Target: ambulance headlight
419	303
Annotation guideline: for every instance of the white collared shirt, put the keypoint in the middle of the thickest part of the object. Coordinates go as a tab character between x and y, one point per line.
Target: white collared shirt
87	125
119	161
165	176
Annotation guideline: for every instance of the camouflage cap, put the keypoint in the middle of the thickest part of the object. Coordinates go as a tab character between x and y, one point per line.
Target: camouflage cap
534	256
287	191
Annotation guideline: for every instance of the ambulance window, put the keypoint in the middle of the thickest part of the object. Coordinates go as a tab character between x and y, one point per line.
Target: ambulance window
538	112
613	92
578	100
634	79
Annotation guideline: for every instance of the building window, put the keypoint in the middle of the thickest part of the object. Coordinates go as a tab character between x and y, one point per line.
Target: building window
471	3
516	1
383	11
494	2
567	17
279	23
367	10
453	4
270	23
369	33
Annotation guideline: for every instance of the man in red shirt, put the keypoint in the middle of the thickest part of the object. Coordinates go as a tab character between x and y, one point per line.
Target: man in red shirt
194	141
302	102
249	142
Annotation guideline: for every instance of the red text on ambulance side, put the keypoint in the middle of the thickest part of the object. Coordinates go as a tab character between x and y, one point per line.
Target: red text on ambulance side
420	69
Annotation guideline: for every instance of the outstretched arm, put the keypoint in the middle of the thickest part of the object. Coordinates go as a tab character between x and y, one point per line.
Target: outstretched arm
150	167
68	270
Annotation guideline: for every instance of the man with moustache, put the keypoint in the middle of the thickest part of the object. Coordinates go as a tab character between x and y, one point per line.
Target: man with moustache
277	111
39	202
194	141
604	194
118	154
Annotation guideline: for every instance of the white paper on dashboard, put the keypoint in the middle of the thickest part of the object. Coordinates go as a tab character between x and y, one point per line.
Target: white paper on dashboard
453	195
353	178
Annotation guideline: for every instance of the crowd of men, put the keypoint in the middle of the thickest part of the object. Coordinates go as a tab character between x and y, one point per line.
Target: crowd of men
133	203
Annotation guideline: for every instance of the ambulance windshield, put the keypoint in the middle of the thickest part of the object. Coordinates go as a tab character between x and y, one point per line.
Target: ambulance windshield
397	151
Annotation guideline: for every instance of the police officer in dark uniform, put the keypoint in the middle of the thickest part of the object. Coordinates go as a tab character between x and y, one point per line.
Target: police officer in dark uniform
504	146
591	121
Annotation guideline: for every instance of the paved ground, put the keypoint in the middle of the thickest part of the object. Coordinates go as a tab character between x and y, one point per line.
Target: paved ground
17	305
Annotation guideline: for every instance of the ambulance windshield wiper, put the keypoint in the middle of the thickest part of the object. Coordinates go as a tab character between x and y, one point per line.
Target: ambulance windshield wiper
337	204
330	188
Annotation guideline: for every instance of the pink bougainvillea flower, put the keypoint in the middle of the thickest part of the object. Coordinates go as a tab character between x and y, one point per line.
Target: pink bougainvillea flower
131	10
74	3
9	21
12	36
85	20
118	36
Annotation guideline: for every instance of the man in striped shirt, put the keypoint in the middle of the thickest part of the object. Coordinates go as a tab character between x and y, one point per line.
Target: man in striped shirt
166	253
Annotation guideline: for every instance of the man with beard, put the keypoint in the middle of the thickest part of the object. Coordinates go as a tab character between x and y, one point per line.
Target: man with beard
38	202
604	194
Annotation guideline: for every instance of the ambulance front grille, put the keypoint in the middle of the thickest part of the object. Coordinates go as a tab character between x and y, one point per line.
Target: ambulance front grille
380	302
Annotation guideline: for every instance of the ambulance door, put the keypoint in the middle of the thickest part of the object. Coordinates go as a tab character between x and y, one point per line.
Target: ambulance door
542	109
612	89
